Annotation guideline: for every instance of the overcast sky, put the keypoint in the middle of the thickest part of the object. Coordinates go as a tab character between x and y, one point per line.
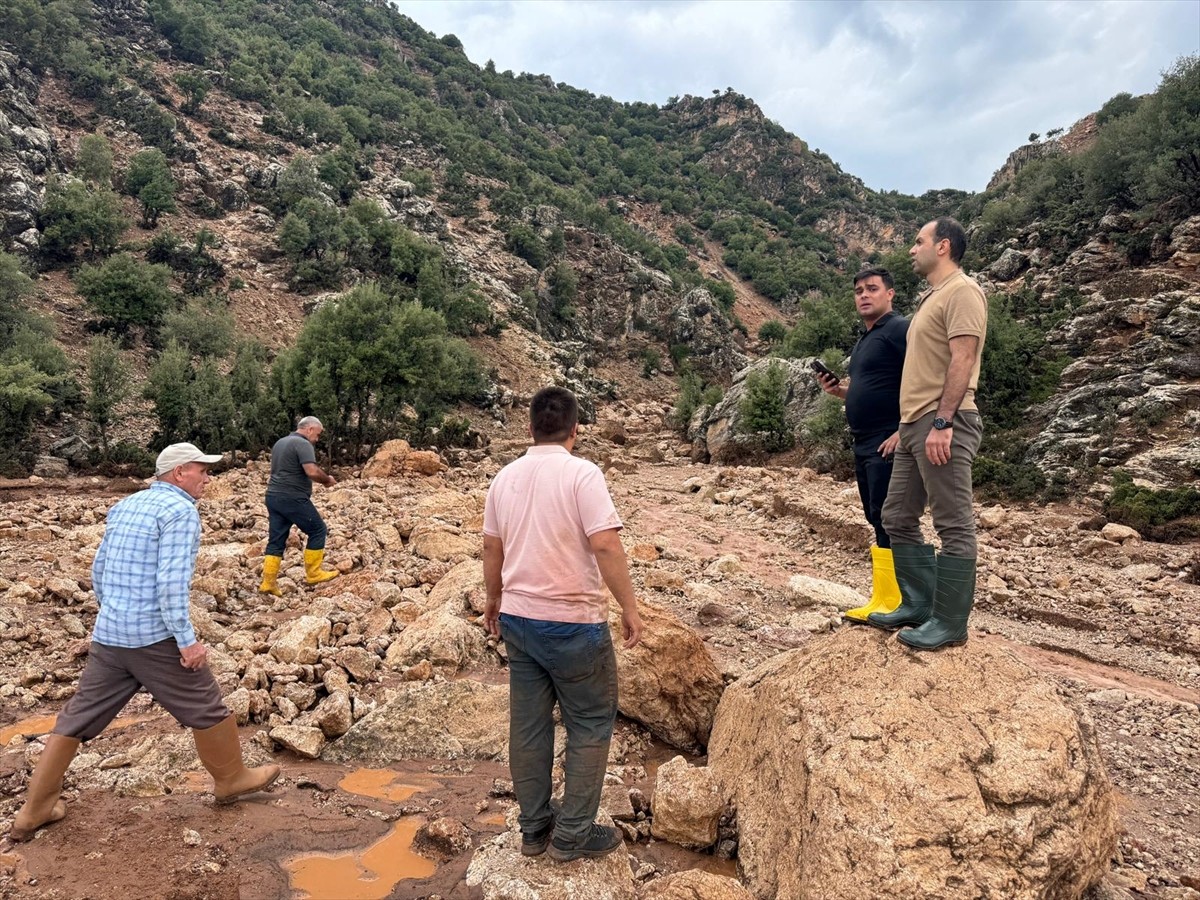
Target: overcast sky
906	95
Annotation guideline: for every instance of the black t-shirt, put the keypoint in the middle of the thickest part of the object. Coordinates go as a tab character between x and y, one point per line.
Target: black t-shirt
873	399
288	478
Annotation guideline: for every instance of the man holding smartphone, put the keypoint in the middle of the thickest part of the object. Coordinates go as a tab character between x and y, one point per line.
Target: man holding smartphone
872	395
940	432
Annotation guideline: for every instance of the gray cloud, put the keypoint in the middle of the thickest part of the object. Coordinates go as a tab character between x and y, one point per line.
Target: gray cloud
906	95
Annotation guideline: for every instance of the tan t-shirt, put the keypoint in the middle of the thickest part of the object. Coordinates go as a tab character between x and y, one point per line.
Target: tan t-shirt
955	308
544	507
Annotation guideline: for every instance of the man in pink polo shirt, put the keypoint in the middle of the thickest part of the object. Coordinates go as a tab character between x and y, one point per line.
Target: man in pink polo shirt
550	538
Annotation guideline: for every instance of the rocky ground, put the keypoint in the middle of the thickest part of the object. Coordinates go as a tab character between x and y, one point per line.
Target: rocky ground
753	560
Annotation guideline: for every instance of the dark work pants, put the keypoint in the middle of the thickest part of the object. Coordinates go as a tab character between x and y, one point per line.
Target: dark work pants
574	664
873	473
284	512
113	675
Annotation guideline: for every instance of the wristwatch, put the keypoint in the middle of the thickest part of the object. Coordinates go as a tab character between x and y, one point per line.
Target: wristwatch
941	424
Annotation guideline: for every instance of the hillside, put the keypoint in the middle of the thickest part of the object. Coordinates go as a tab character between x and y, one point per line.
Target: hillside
270	156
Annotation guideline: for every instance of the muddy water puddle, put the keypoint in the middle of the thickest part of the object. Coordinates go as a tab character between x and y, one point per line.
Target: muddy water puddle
371	873
40	725
381	784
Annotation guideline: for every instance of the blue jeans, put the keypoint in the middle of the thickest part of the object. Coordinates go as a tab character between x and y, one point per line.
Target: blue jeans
283	513
574	664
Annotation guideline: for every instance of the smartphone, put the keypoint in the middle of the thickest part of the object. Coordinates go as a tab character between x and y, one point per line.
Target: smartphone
822	369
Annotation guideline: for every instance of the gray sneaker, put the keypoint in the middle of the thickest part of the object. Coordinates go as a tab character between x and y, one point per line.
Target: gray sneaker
600	841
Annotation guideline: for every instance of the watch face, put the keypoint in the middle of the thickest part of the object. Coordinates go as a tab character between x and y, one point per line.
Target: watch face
940	424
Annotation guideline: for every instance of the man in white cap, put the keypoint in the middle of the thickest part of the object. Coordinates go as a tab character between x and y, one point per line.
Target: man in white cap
143	637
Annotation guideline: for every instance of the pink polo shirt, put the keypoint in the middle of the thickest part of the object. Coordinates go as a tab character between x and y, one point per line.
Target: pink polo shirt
544	507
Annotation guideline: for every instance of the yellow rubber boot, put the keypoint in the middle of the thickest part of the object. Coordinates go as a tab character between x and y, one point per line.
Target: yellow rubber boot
313	573
270	582
885	591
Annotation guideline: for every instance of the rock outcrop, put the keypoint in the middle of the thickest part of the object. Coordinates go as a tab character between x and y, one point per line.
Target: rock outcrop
967	776
26	156
1120	387
721	429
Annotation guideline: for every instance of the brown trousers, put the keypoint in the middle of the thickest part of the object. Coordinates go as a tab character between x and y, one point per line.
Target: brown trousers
114	674
946	489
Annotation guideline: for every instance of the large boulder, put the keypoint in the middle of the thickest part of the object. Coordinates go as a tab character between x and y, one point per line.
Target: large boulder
440	636
443	543
299	641
687	805
388	460
669	681
461	589
862	769
447	720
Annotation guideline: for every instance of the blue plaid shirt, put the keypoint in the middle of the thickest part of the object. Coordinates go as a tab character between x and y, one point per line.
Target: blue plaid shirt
142	574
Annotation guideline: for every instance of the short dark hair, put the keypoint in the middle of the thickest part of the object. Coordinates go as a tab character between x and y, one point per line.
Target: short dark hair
553	412
877	272
948	229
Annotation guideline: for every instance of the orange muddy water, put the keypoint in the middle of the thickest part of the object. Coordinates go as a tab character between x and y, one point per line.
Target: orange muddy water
369	874
45	724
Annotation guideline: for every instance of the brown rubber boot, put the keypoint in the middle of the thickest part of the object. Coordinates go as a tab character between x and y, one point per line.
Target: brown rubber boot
221	752
42	805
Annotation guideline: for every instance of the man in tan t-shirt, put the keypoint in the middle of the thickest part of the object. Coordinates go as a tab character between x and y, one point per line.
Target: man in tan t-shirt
940	431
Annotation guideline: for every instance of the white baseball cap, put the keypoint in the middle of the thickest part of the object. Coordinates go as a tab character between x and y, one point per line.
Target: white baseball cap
181	455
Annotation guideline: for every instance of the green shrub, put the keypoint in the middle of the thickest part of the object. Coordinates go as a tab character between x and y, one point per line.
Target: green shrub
24	396
94	160
149	180
359	361
1171	514
205	326
108	385
125	291
72	215
168	387
563	285
995	477
195	265
195	88
523	241
651	361
764	409
772	332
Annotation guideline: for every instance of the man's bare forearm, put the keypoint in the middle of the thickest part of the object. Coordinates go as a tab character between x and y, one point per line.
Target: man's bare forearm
493	567
958	375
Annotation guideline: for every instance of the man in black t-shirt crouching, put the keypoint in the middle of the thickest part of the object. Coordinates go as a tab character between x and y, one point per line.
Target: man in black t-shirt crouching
289	502
872	395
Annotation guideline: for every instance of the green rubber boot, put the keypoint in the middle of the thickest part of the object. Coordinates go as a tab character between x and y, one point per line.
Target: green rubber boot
916	572
947	625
